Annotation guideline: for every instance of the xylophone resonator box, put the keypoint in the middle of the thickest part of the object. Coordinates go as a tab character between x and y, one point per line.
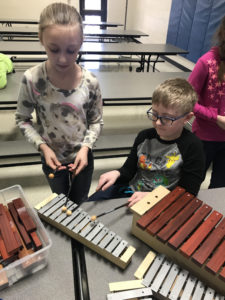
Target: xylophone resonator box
186	230
79	226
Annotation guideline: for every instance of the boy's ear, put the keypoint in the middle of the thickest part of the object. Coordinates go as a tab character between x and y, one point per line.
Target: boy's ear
188	117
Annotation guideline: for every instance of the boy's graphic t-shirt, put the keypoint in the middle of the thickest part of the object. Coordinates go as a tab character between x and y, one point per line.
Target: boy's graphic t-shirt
153	162
158	164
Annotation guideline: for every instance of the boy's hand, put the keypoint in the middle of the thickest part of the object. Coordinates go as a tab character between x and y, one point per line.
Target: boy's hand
50	157
107	179
137	196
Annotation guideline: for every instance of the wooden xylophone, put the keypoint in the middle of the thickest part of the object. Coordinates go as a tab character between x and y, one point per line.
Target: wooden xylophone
186	230
160	278
79	226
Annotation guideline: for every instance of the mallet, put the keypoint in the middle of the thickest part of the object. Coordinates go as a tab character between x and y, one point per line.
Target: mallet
52	175
93	218
64	208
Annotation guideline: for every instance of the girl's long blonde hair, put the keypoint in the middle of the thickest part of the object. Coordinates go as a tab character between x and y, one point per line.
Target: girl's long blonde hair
59	13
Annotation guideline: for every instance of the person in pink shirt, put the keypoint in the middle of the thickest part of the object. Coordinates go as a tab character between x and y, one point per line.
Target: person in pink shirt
208	80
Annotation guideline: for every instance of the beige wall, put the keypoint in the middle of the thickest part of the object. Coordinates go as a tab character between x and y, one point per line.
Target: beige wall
149	16
27	9
116	11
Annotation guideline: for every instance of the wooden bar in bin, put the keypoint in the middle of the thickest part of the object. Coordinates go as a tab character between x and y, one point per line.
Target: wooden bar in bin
24	215
36	240
21	228
8	237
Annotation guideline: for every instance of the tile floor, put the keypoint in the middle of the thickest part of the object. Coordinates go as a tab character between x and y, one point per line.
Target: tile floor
32	179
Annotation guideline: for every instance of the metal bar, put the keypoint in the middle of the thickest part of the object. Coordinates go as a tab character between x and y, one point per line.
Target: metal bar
189	287
161	275
75	214
178	284
106	240
51	203
164	291
88	228
102	233
114	243
120	248
199	290
81	225
153	270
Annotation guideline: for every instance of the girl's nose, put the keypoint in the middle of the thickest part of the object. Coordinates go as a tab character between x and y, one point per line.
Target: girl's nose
62	57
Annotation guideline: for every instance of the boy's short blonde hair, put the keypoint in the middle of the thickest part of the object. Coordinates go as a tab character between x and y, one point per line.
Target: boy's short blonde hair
59	13
176	93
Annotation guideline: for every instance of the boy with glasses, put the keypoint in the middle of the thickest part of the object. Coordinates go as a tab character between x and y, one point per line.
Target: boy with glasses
167	154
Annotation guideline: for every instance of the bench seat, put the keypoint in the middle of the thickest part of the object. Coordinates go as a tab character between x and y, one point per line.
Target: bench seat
21	152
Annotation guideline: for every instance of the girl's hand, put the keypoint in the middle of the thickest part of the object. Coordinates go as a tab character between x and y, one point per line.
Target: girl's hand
50	157
107	179
137	196
221	121
81	161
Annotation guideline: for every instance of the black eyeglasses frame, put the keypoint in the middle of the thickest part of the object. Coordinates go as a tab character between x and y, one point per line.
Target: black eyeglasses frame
150	114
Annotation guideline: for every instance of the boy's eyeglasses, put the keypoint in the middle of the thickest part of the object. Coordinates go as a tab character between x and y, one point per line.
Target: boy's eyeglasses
167	121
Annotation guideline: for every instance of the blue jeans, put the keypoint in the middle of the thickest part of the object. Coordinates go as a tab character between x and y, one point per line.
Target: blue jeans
215	154
113	192
80	183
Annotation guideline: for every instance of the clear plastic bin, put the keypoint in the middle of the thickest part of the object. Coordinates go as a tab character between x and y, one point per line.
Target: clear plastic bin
30	263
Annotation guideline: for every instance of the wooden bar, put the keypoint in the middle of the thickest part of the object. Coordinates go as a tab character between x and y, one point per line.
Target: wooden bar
24	216
179	237
3	251
37	242
210	244
142	269
6	257
222	274
200	234
218	259
14	229
179	204
21	228
160	207
8	237
150	200
175	223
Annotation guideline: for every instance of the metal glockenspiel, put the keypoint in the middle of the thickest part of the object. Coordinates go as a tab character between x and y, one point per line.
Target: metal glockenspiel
169	281
187	231
79	226
160	278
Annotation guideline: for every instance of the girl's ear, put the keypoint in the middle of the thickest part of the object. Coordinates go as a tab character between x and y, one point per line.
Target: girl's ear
40	38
